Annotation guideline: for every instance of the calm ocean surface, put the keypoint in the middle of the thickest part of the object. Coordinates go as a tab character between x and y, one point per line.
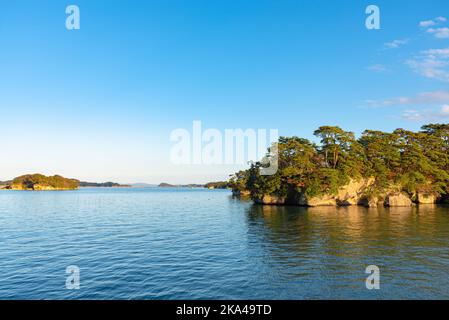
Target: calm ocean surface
203	244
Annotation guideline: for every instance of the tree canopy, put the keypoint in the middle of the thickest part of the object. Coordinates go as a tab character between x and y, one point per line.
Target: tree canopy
412	161
30	181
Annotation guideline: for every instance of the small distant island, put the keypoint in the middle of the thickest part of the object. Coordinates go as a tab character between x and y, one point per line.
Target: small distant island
399	168
40	182
84	184
168	185
210	185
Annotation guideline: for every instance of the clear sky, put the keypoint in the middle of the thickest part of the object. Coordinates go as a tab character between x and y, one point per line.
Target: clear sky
100	103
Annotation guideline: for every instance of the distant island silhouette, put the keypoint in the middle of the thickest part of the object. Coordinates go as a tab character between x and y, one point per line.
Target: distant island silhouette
40	182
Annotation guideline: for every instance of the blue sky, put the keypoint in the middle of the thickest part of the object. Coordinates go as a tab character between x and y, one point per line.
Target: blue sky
99	103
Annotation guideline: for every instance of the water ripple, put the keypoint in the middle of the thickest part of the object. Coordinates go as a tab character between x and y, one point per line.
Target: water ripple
202	244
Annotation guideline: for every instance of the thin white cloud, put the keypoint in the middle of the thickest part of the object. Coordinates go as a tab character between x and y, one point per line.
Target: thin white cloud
437	53
395	43
432	63
413	115
378	68
428	114
431	23
427	23
440	33
424	98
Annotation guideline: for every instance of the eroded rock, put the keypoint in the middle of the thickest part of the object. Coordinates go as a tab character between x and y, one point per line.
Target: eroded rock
398	200
425	198
271	200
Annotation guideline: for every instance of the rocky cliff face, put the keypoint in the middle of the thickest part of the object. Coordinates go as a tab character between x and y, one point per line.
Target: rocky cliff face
351	194
356	192
424	198
241	193
370	201
36	187
271	200
321	201
398	200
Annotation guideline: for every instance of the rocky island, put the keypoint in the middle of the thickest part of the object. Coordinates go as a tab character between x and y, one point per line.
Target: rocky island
209	185
401	168
168	185
41	182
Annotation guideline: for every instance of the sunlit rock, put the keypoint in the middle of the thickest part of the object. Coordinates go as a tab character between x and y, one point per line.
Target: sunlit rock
398	200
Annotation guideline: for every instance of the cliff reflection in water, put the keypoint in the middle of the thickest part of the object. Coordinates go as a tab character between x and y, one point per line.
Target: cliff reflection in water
328	248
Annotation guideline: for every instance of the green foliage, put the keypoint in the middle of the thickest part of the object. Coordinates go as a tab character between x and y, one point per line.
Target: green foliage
217	185
412	161
323	181
31	181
